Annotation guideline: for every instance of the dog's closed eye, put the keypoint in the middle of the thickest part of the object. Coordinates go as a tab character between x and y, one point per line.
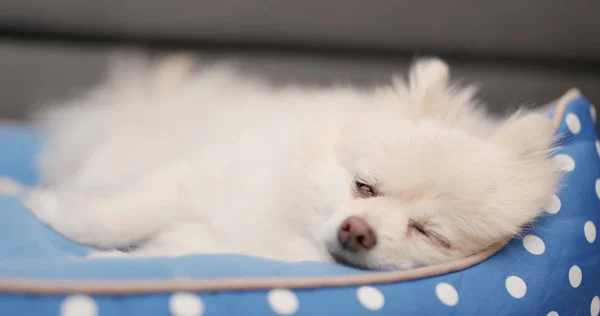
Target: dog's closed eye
422	230
414	227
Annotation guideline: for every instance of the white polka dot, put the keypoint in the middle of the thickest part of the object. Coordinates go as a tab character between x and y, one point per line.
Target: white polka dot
575	276
283	302
186	304
78	305
552	313
573	123
515	286
593	113
598	147
564	162
534	244
447	294
370	297
554	205
589	229
595	306
598	188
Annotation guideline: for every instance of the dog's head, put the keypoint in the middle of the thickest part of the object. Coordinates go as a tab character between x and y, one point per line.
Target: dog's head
433	180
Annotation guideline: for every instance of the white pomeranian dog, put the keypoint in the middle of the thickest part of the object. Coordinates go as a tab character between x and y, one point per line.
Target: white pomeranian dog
175	160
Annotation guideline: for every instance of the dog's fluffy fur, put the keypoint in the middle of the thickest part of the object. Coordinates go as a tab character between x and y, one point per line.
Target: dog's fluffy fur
178	161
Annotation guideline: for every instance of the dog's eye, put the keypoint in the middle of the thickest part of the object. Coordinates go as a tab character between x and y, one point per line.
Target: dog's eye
364	189
414	227
419	228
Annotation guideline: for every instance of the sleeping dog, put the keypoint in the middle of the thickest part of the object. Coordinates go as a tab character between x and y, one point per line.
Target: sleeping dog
178	159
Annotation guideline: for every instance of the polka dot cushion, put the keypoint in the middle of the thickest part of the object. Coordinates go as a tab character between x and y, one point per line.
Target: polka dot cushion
553	269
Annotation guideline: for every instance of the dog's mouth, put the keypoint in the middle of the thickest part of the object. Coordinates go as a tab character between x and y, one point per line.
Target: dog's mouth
349	259
339	257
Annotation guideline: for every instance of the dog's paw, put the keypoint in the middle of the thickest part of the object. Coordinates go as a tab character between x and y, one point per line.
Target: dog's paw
10	187
43	204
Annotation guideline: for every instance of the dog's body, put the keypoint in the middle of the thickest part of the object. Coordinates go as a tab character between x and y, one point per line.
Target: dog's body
179	162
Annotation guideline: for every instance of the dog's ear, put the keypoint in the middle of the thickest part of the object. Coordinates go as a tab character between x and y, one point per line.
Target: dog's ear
526	134
428	77
170	72
432	94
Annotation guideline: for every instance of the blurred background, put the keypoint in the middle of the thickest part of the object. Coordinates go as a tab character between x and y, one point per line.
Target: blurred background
521	52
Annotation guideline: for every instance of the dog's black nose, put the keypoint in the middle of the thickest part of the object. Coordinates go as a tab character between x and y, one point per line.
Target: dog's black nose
355	234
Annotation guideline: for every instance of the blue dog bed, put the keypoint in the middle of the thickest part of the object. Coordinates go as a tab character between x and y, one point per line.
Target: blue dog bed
553	270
